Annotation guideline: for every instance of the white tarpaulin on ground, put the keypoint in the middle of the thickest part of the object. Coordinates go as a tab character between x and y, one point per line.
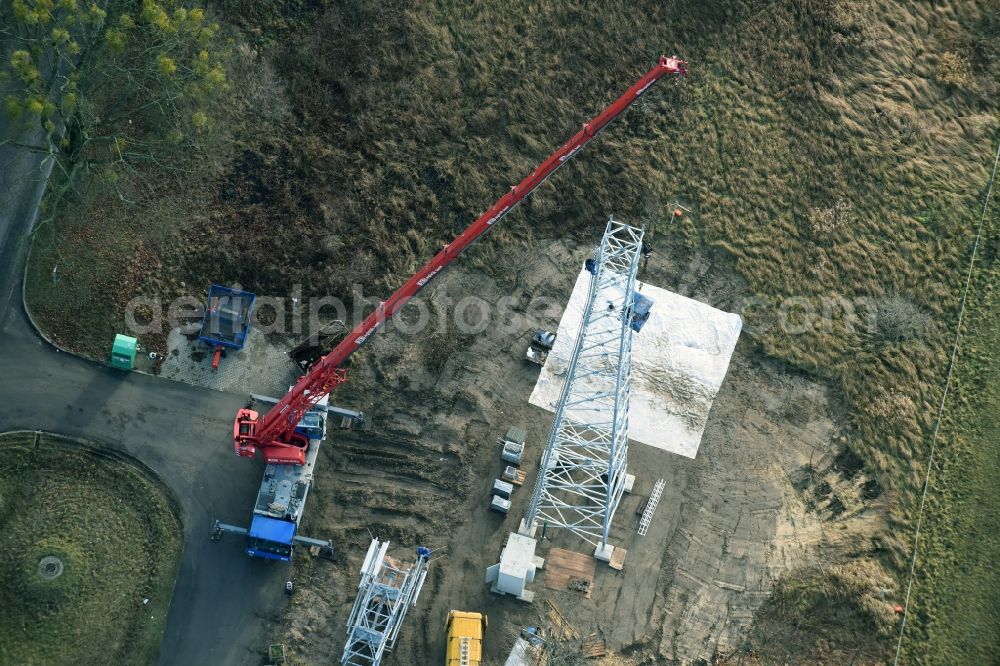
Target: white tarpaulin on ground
679	360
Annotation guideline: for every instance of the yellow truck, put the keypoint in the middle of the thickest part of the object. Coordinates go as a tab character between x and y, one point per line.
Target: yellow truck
465	638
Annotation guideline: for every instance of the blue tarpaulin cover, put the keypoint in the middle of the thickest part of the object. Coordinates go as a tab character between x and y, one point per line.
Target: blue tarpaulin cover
279	531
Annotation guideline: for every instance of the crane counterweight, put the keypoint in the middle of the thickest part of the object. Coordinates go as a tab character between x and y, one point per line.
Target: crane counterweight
274	432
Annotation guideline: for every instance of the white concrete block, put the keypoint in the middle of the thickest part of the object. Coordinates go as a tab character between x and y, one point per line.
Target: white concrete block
604	553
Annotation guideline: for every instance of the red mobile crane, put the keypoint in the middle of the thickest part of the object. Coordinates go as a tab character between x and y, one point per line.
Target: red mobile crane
274	433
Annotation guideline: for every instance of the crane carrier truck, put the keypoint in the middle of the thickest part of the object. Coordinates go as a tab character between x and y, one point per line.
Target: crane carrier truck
281	498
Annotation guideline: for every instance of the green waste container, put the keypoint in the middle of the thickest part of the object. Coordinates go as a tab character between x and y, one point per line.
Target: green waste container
123	352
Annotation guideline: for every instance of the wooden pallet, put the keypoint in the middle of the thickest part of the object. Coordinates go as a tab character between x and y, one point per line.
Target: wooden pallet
517	479
593	646
618	559
560	625
276	654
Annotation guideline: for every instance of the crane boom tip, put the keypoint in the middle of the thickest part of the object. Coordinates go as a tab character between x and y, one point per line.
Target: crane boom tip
673	64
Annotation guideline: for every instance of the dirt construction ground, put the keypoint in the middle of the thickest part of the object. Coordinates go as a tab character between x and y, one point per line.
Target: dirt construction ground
769	490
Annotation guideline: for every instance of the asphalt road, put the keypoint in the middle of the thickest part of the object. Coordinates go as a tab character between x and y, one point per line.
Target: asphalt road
222	598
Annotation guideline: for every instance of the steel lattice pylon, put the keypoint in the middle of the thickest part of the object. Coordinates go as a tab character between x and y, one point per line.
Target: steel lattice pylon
582	475
387	590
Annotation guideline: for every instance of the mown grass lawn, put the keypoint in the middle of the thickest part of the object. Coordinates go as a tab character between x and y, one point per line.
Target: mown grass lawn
117	539
955	614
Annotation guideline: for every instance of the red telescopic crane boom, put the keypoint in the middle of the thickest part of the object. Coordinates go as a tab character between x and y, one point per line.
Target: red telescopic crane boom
274	433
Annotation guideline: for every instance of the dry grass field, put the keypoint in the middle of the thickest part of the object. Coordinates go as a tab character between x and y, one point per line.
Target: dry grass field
835	152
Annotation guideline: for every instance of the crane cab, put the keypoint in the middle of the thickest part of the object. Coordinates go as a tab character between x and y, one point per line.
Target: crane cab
312	425
270	538
244	430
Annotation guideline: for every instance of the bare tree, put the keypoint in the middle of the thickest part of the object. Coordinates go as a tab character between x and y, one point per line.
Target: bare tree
109	86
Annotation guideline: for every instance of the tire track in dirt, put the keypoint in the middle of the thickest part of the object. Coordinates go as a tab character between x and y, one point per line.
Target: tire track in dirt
746	523
378	483
729	524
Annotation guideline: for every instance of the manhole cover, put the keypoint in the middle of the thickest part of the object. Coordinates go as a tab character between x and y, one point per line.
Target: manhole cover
50	567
